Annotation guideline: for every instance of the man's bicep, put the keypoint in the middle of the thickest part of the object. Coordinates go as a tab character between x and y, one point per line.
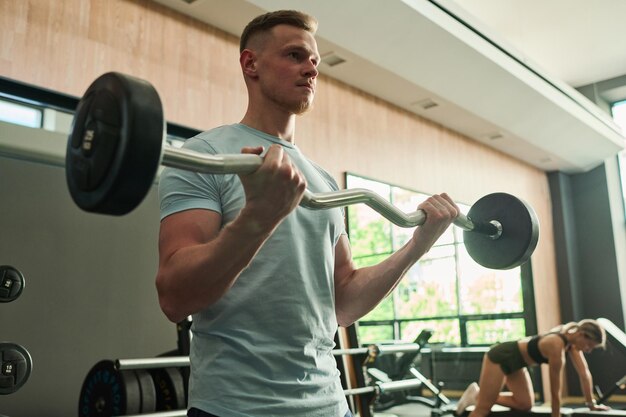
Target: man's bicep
187	228
344	266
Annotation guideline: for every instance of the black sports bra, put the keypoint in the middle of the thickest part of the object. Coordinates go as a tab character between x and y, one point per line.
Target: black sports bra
533	347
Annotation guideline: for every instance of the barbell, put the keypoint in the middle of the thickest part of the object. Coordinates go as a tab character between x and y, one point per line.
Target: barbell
116	146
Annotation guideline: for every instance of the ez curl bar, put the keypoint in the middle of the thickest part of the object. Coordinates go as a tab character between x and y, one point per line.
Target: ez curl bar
117	145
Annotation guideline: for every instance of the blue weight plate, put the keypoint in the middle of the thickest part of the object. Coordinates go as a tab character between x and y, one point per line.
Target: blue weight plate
109	392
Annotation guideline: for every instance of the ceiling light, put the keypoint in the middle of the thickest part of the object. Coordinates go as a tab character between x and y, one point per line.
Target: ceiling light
426	104
331	59
494	136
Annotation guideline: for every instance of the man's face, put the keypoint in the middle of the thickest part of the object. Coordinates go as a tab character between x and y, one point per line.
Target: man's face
287	68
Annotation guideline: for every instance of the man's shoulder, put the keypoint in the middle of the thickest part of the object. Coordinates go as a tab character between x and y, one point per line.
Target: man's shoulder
213	136
222	139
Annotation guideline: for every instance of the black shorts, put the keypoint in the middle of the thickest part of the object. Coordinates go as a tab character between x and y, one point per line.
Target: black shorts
508	356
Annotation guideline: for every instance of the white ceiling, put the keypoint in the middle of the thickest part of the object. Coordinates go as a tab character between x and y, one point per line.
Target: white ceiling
502	74
578	41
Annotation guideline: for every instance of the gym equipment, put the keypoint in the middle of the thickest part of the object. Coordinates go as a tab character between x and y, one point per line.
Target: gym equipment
620	337
151	363
438	403
16	366
183	361
170	389
16	363
407	357
374	350
11	283
519	227
107	391
116	146
604	396
546	411
175	413
129	386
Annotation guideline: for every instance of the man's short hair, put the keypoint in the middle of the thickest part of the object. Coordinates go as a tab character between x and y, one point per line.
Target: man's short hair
267	21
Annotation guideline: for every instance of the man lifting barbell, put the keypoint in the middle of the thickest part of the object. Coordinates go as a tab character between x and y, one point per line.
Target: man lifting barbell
266	280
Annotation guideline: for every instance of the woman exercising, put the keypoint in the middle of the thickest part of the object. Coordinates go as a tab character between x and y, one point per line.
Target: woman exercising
505	363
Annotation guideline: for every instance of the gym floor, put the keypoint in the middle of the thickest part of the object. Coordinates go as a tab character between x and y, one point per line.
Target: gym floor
420	410
406	410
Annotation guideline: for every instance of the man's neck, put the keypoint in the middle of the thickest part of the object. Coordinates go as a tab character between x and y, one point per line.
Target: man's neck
283	127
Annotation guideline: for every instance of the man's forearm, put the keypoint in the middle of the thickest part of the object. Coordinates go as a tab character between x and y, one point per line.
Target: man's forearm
366	287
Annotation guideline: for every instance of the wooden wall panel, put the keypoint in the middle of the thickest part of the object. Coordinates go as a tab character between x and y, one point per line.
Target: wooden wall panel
64	45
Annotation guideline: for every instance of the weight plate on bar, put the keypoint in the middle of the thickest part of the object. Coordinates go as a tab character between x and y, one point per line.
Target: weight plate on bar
16	365
147	390
11	283
109	392
170	389
114	148
520	232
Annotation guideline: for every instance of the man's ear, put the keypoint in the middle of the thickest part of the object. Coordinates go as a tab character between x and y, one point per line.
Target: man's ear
247	60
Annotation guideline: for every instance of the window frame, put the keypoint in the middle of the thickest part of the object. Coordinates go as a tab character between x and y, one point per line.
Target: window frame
621	156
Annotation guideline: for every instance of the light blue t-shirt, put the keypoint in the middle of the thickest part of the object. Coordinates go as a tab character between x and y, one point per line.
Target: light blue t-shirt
265	348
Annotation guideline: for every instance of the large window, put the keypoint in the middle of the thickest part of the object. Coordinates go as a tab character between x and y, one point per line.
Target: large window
464	303
619	115
21	114
39	109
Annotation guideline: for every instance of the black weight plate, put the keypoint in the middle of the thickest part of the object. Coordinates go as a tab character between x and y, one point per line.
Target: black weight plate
114	148
520	232
11	283
16	366
147	390
170	389
108	392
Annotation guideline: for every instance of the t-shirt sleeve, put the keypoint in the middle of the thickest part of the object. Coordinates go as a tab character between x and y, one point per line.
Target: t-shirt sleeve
181	190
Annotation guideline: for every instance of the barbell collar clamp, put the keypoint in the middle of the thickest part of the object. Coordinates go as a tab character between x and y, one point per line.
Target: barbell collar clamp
492	228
